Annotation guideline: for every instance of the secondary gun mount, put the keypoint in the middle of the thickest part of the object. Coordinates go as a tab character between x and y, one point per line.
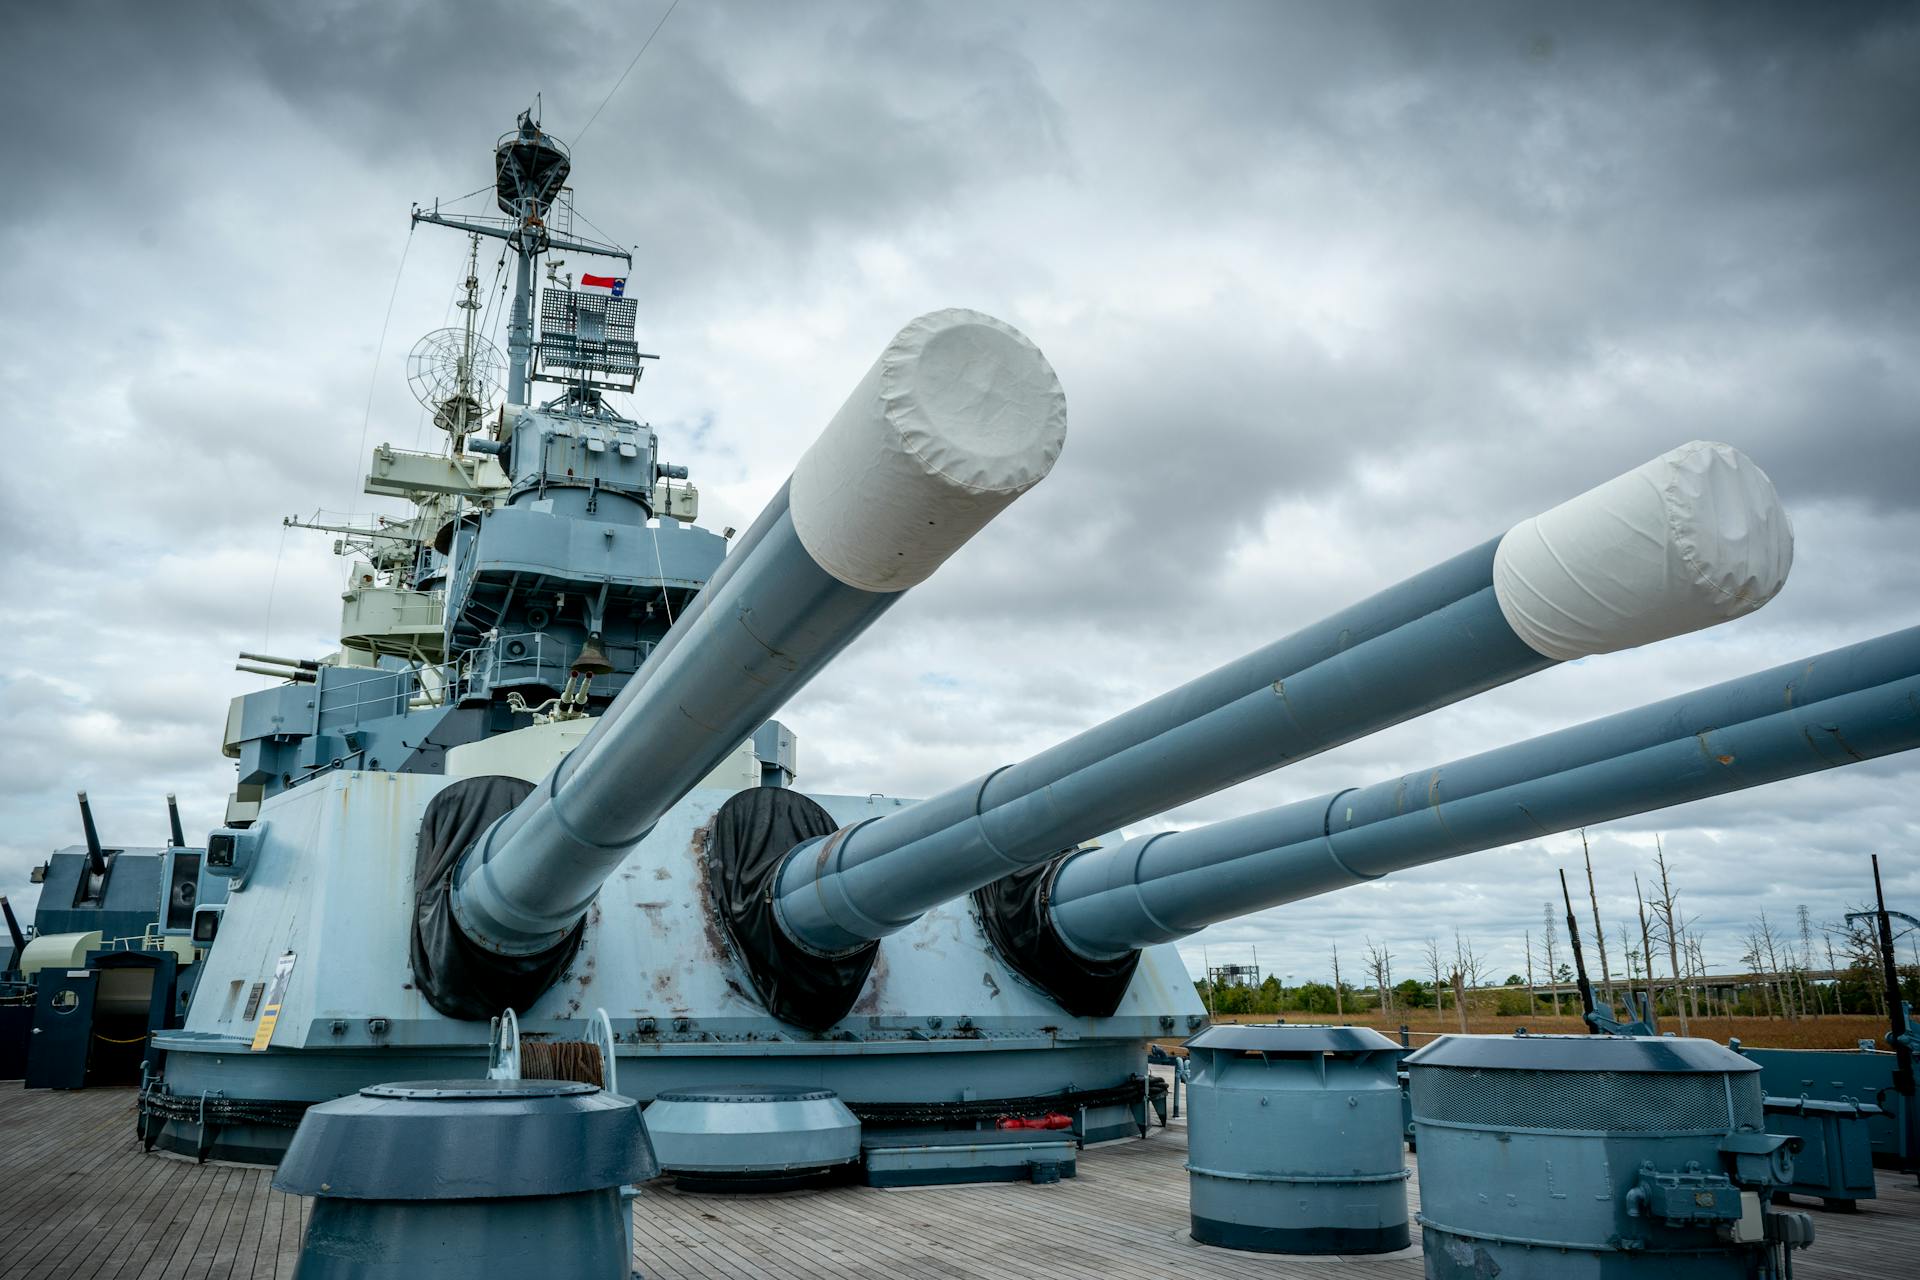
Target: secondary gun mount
1690	539
959	416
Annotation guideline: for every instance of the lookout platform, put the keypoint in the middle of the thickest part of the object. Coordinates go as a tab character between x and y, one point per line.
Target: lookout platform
80	1201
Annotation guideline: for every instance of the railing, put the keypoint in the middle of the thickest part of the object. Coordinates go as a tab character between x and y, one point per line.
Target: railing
344	702
520	656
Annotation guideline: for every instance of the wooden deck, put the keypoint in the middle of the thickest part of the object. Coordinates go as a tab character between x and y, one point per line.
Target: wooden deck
79	1199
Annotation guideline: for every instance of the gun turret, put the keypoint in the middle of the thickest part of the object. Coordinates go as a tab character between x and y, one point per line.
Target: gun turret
1691	539
1849	705
959	416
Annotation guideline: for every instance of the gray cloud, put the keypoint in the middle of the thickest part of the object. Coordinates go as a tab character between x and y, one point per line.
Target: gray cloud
1334	292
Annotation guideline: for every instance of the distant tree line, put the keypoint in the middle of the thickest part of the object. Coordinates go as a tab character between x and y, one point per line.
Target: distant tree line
1788	972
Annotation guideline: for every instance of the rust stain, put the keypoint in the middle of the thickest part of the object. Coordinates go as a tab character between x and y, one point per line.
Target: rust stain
703	899
875	991
1724	759
661	873
993	988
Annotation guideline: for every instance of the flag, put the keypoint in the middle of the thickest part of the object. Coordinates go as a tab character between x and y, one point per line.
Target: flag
616	283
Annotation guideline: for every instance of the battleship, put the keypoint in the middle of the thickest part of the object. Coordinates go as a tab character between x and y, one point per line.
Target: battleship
526	864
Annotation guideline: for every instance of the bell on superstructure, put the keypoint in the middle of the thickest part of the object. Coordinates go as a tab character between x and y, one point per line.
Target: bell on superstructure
592	660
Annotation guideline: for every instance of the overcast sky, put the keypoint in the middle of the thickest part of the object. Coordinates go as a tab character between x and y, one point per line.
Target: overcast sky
1334	290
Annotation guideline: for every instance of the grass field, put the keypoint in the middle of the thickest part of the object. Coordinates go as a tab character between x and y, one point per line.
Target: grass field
1834	1032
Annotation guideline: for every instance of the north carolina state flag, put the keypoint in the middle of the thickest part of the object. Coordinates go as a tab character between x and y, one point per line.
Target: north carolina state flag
616	283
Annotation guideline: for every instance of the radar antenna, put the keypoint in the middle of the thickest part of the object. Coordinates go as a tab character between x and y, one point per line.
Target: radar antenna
456	373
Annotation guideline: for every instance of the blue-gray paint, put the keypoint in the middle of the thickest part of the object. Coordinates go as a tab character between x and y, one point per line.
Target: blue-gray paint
1851	704
1294	1137
466	1177
1835	1159
751	1130
134	896
1636	1161
1432	640
1841	1075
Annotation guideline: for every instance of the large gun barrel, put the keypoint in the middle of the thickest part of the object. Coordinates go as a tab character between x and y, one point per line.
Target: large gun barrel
1693	538
959	416
1852	704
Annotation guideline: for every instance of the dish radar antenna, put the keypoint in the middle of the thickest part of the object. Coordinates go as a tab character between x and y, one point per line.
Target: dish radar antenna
456	373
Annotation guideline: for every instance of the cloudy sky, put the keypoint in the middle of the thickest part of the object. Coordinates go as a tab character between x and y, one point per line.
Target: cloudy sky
1334	291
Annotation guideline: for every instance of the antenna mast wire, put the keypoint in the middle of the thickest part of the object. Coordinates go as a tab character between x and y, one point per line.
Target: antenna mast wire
373	382
623	75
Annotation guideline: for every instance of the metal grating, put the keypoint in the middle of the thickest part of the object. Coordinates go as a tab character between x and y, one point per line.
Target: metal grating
587	338
1587	1101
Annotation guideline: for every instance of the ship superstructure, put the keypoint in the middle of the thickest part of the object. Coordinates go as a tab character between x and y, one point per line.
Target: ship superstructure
548	549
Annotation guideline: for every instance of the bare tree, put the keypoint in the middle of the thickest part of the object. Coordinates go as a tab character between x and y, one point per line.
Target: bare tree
1467	967
1599	935
1553	957
1773	946
1380	969
1629	956
1670	924
1430	952
1861	946
1764	948
1470	963
1339	1003
1833	964
1646	951
1532	999
1697	969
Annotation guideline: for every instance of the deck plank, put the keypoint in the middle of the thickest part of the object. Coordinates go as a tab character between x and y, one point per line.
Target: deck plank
83	1202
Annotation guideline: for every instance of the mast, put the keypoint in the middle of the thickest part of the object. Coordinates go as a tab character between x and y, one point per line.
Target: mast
530	166
465	405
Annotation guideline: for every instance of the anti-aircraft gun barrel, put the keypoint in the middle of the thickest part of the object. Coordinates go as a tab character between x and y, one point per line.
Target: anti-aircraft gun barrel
1692	538
96	856
13	928
959	416
299	664
176	834
1849	705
